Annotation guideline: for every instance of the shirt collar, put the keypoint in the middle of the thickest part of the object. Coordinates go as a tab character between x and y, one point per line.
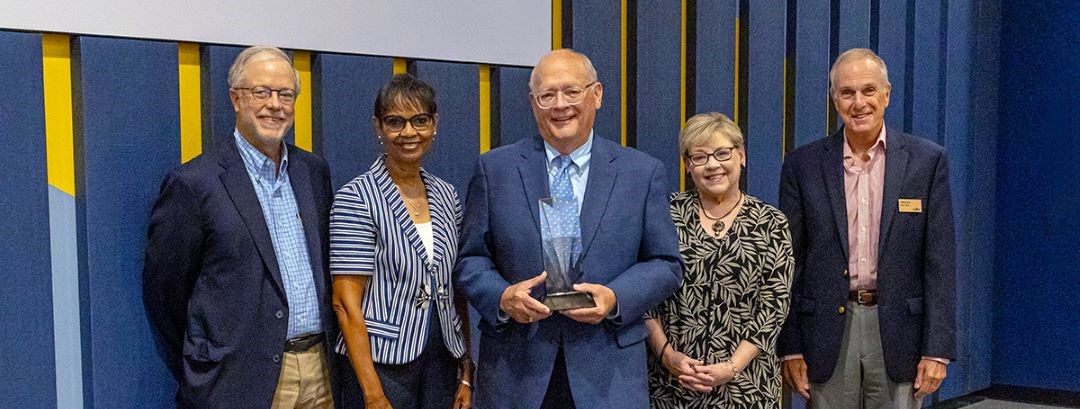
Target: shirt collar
256	162
579	157
880	142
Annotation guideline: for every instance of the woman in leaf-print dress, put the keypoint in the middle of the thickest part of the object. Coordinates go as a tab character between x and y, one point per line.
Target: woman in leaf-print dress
713	342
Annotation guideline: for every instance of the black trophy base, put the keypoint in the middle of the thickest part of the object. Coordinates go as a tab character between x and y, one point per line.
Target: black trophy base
568	300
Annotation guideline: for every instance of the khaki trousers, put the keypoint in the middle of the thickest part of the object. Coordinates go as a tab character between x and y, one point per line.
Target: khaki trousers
304	381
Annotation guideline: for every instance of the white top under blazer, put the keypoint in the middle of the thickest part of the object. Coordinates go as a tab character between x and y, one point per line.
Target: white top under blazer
372	234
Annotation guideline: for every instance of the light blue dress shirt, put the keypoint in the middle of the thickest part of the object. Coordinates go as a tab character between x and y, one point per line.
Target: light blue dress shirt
286	233
579	172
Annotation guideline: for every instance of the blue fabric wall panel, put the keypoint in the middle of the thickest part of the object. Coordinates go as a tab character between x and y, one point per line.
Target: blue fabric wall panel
658	82
927	60
714	65
765	125
219	119
458	142
986	41
29	379
516	120
130	139
347	100
597	34
854	24
1035	335
958	143
892	48
811	70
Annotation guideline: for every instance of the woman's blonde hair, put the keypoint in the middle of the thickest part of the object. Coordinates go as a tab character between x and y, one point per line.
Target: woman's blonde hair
701	127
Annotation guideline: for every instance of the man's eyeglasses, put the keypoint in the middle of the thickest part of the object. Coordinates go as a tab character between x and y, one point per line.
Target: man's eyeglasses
419	122
286	95
572	95
699	159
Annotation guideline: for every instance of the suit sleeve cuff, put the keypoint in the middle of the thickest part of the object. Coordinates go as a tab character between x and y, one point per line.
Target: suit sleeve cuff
614	315
503	317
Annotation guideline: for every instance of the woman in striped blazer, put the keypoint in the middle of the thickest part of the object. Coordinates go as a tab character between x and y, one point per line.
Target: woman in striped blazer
393	244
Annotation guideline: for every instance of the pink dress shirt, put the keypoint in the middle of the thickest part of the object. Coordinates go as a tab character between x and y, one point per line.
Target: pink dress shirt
864	184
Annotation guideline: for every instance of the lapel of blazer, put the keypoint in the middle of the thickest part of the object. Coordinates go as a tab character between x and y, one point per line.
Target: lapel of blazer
303	190
238	184
602	175
533	171
833	167
397	206
896	160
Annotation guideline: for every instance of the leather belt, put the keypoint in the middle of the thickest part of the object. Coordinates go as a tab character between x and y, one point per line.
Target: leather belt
303	343
863	297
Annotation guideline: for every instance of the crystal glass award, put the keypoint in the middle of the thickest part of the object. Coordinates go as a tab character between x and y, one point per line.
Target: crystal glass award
560	231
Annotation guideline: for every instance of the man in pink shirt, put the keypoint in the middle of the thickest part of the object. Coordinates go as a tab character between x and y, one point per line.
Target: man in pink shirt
872	319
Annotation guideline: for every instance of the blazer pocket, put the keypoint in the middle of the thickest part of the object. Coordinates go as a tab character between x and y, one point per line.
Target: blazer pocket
382	329
204	350
915	305
631	335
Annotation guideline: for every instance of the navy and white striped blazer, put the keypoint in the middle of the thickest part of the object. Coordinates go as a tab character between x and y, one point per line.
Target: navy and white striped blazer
372	234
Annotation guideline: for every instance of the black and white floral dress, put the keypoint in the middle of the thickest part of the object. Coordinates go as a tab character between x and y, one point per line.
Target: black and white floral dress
735	288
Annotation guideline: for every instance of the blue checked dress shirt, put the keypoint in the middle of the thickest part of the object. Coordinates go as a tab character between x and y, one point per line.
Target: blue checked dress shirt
286	233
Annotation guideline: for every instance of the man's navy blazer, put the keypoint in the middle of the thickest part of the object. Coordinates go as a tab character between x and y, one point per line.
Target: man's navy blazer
629	244
211	285
915	276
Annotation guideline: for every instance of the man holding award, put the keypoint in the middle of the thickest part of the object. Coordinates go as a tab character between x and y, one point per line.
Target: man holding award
566	242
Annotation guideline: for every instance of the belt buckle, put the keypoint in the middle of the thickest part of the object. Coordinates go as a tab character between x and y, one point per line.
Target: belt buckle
864	296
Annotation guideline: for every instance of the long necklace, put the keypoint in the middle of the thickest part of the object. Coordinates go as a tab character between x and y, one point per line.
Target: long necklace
718	223
414	205
414	208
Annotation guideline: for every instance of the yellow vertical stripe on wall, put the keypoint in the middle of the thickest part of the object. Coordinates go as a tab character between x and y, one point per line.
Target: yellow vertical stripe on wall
302	105
485	108
400	66
190	85
682	89
556	24
623	80
59	131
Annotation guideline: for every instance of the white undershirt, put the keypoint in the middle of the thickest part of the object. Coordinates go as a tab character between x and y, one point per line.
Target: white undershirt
426	236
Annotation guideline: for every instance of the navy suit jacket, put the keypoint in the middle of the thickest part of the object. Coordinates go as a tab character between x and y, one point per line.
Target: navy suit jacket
916	273
211	285
629	244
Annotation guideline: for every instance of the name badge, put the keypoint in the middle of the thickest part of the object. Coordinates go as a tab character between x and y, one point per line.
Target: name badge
910	205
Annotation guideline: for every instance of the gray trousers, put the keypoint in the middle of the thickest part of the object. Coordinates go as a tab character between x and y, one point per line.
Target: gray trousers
859	380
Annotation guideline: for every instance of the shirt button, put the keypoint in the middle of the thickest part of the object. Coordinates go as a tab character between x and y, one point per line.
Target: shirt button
277	358
279	314
862	259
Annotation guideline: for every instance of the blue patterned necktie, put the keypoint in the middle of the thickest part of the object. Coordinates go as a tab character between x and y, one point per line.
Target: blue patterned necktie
565	204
